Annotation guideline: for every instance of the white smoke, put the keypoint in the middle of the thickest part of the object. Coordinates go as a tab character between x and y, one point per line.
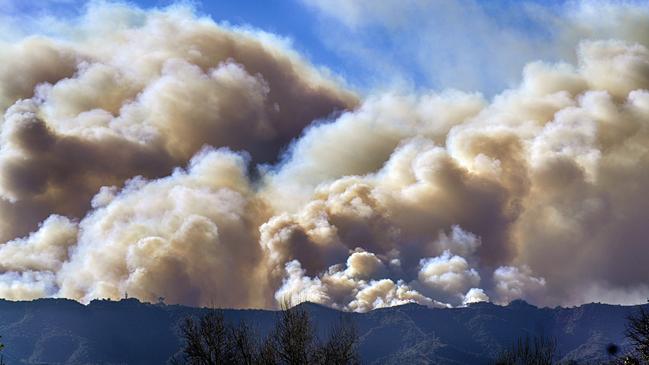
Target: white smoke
175	157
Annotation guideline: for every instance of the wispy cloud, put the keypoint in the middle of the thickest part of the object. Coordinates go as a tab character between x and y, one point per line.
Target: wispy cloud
465	44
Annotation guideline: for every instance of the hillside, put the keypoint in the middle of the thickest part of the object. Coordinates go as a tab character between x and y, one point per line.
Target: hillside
58	331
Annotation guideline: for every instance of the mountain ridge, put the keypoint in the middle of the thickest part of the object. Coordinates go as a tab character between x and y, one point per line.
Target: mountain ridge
62	331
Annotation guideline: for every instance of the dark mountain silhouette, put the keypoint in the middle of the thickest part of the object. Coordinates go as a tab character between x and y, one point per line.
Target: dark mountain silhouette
59	331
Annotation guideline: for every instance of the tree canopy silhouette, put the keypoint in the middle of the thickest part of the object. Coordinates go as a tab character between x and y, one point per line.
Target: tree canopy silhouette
292	341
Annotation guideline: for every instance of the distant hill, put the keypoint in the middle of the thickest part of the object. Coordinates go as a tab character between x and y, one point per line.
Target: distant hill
59	331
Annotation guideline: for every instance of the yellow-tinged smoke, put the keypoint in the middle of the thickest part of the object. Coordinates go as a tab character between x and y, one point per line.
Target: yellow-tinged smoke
151	156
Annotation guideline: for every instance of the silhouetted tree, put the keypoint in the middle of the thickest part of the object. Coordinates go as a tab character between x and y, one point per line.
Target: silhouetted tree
637	331
211	341
244	344
525	351
294	339
341	347
206	341
267	355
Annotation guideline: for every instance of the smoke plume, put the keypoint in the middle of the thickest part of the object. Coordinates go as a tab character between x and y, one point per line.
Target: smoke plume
160	154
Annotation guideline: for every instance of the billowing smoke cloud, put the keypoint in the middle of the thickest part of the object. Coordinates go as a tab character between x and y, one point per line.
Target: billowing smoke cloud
160	154
140	101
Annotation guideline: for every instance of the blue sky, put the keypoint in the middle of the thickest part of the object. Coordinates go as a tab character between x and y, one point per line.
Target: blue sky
468	45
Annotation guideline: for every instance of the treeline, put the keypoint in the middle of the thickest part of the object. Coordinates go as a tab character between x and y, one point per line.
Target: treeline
210	340
543	350
293	341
